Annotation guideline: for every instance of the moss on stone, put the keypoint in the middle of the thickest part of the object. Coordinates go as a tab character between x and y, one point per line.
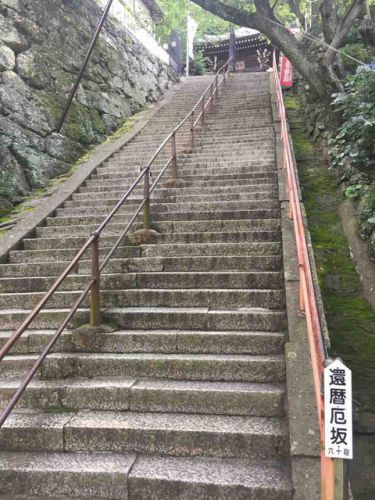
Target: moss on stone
302	146
350	318
292	103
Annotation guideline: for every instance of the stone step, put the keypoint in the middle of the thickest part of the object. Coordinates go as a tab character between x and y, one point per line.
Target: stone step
193	180
53	255
167	227
155	433
150	264
153	280
149	341
184	170
150	395
199	367
62	475
159	208
169	217
171	478
59	475
233	187
175	197
155	238
217	212
154	318
151	250
186	297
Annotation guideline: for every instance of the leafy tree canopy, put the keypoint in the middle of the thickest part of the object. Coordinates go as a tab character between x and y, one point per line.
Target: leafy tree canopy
176	12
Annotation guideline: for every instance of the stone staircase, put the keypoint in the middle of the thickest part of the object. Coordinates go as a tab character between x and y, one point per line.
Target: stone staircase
182	395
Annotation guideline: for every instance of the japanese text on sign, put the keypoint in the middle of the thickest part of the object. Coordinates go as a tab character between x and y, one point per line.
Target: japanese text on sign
338	411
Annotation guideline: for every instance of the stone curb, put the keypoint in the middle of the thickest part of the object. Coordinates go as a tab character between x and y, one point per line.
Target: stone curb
25	229
302	411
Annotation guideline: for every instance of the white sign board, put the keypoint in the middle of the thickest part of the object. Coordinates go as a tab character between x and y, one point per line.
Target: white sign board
338	411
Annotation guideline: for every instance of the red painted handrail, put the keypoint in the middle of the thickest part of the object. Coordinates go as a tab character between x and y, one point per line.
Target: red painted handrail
308	301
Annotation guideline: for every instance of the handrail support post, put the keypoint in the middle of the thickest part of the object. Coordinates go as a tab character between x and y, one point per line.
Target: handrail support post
192	130
203	110
174	157
95	288
146	195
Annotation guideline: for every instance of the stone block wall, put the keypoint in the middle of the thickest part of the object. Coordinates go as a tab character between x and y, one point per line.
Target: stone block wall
42	45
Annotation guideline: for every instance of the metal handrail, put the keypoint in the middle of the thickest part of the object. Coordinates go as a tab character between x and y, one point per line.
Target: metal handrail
93	286
75	86
308	301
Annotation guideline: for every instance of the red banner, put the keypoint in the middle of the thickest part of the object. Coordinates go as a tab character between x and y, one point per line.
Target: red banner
286	76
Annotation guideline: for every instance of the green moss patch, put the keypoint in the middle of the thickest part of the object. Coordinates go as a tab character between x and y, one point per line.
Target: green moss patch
350	318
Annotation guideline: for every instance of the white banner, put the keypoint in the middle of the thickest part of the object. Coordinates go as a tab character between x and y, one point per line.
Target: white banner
191	32
338	411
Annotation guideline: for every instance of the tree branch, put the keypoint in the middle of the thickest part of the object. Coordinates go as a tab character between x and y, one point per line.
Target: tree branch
295	8
356	8
264	20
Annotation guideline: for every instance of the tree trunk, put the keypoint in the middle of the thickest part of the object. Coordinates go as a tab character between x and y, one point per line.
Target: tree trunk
317	75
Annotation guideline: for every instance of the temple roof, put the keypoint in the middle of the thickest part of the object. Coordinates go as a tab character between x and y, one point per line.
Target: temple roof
217	44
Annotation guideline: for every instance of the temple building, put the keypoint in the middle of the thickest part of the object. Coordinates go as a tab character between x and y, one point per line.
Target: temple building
216	49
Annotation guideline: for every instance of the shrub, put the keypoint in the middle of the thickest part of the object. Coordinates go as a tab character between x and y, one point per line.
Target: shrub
355	141
358	51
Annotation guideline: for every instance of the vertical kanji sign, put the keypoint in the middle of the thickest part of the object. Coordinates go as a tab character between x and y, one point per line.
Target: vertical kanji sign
338	411
286	72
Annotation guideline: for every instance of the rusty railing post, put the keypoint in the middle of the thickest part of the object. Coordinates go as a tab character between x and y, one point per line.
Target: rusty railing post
203	104
217	87
95	287
146	196
192	131
211	96
174	156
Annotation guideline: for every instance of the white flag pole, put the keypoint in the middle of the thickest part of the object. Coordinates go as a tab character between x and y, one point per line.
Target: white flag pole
187	38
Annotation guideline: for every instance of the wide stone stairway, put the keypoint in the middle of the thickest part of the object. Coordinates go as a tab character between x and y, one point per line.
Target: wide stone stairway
181	394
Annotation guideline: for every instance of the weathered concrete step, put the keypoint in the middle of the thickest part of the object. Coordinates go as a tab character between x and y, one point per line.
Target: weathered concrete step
150	264
61	475
151	477
17	366
151	250
156	433
169	478
250	148
185	297
194	170
11	319
203	367
160	208
175	196
213	213
151	395
213	127
212	249
154	318
53	255
167	227
222	280
234	138
256	319
162	238
150	341
190	189
172	217
192	180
